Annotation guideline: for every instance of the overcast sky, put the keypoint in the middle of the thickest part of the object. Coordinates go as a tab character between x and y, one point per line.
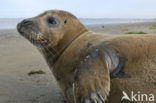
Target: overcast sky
81	8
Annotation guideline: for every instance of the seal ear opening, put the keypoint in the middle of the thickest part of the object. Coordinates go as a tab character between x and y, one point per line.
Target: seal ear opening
65	21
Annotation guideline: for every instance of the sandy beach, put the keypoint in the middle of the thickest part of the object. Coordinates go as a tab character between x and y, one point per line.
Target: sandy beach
18	57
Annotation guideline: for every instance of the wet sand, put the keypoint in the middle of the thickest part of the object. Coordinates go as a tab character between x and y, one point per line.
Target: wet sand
18	57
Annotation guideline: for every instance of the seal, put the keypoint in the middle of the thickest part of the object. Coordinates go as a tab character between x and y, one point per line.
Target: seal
91	67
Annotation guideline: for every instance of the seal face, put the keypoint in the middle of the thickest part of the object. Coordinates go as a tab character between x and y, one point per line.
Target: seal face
30	30
48	28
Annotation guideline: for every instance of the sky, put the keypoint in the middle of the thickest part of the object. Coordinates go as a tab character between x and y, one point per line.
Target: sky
80	8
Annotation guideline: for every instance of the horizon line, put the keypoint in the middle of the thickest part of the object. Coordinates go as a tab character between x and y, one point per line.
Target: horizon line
80	18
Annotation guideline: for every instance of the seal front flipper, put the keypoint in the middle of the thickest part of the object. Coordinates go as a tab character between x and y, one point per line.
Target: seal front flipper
118	72
92	81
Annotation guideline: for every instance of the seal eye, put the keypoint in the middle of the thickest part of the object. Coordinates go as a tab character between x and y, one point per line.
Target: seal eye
52	22
65	21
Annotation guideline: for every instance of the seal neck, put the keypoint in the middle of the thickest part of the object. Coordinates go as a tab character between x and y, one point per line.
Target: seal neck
52	55
61	52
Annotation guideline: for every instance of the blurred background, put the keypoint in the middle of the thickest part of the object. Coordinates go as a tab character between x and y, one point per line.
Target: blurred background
89	12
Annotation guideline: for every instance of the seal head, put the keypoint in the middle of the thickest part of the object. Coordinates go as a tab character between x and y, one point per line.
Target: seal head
54	28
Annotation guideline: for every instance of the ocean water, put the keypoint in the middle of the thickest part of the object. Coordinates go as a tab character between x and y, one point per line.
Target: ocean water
10	23
113	21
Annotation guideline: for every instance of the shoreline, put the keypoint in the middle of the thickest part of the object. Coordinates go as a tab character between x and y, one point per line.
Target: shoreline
124	28
92	27
98	24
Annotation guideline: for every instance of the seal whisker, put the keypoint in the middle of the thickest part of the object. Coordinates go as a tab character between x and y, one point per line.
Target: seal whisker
53	51
31	39
50	51
46	48
51	47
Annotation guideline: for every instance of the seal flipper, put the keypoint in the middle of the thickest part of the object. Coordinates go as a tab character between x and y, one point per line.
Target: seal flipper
91	80
118	73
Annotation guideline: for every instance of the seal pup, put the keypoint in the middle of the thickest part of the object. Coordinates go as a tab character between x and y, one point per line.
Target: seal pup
84	63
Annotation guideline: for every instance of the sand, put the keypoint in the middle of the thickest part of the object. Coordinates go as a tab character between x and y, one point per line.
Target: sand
18	57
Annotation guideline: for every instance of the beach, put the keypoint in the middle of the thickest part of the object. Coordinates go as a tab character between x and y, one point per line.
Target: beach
18	57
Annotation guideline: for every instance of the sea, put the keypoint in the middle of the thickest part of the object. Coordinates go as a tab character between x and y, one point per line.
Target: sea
10	23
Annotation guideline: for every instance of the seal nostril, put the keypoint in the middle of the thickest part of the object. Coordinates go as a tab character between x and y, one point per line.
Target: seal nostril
27	22
28	25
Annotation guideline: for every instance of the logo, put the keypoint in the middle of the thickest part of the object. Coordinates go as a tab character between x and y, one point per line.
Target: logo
138	97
